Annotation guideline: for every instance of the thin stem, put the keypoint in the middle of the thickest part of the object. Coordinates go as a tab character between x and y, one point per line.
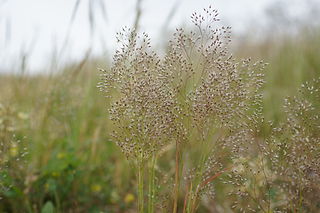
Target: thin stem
198	178
151	185
140	188
186	199
177	179
190	198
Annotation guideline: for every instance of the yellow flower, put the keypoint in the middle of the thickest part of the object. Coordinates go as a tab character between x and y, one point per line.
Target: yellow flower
55	174
129	198
14	150
46	186
96	188
61	155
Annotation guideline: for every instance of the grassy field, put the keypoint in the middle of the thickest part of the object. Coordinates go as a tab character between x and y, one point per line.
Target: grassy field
58	153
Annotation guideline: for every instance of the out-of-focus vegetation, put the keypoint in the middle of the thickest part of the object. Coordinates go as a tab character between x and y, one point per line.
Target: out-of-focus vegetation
71	165
292	61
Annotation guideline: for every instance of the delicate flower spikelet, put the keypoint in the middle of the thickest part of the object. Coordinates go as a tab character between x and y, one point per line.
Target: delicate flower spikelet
218	99
142	103
214	93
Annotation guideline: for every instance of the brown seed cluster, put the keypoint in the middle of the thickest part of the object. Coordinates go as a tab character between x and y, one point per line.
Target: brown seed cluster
196	85
142	108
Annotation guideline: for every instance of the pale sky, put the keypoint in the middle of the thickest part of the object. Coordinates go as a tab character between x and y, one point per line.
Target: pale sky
37	27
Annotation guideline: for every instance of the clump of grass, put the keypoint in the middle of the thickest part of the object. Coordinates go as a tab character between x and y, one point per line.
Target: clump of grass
196	97
217	96
142	107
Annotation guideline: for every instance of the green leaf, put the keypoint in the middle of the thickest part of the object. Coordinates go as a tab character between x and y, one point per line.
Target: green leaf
48	208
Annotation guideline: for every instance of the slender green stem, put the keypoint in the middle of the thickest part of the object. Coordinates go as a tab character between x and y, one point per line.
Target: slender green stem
140	188
177	180
197	182
190	197
57	200
151	185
